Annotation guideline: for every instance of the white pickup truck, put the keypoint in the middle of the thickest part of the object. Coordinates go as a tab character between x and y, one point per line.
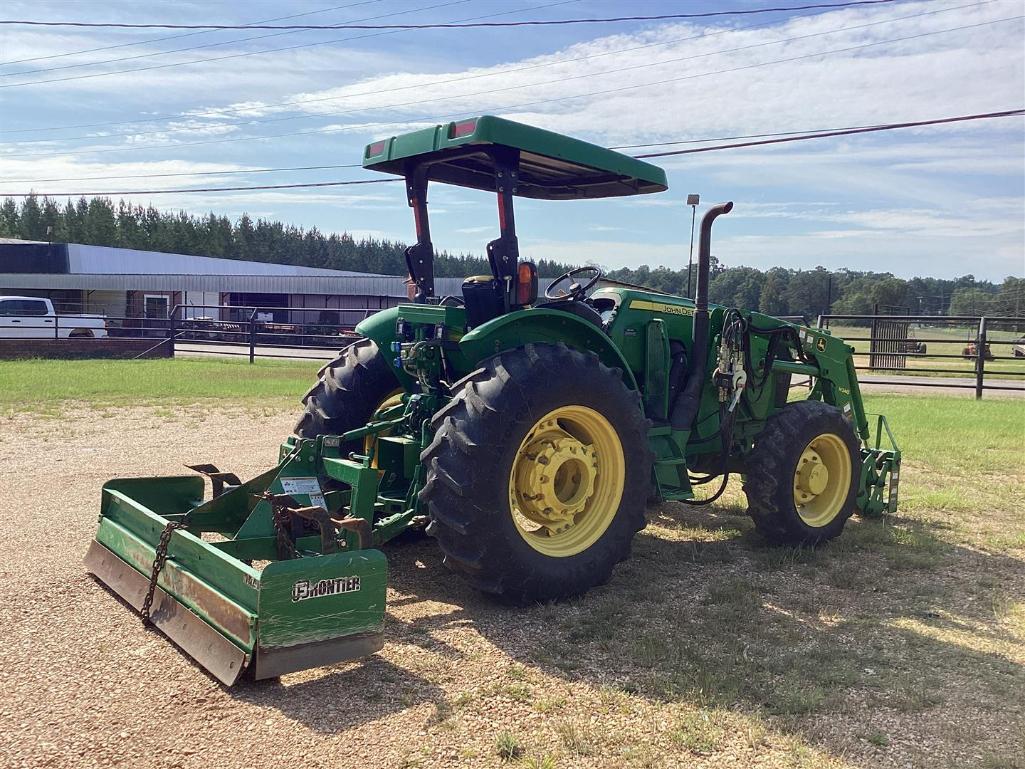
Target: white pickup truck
29	317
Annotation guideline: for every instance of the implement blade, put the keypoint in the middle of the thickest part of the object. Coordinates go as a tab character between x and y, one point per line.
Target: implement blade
271	663
223	659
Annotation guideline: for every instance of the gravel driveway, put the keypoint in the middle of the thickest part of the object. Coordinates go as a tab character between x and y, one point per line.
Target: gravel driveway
85	685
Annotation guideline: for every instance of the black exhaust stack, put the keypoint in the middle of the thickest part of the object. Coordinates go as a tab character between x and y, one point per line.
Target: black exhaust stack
685	408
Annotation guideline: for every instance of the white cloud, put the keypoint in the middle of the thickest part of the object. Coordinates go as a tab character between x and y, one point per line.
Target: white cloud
922	76
913	198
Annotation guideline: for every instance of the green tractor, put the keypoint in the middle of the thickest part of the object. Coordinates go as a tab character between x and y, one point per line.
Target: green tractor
525	434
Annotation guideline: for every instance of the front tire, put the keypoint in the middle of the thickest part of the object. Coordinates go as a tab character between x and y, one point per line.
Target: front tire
802	476
538	474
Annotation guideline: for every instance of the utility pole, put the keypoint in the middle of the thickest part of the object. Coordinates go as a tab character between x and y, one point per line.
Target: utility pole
692	200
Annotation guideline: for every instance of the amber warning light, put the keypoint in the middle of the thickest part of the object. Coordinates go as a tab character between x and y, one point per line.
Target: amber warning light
526	283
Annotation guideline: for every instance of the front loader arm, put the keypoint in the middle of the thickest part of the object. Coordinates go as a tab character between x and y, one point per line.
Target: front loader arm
836	382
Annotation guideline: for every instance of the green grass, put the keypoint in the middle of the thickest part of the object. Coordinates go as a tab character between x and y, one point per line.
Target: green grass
43	385
740	642
699	732
879	739
508	747
961	435
908	612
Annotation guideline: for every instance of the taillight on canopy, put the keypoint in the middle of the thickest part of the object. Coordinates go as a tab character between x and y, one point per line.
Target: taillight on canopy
376	148
462	128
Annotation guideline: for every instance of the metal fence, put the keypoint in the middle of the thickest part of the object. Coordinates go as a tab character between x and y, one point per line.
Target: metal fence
248	331
961	352
81	326
306	333
957	352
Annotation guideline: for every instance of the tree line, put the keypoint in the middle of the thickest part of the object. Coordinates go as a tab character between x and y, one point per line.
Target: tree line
98	221
782	291
777	291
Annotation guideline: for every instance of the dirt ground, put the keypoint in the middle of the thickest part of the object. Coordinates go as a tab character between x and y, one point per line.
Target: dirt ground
901	645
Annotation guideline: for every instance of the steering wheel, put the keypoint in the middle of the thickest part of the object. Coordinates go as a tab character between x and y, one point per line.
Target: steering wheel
576	292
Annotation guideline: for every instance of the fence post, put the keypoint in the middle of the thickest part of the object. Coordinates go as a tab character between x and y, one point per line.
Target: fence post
872	334
252	336
980	358
172	330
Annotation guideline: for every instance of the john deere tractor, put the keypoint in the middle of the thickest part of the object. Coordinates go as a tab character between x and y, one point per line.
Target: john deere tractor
525	433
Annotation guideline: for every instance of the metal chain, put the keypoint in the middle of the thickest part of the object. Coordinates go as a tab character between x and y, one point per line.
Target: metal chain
281	518
159	559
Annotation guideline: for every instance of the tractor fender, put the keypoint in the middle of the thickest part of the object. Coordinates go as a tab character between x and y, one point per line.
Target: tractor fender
521	327
380	328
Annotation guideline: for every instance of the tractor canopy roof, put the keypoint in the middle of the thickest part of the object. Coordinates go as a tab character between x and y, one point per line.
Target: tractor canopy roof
551	166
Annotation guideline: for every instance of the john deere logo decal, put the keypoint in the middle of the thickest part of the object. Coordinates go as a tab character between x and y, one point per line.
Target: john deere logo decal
820	344
670	309
305	590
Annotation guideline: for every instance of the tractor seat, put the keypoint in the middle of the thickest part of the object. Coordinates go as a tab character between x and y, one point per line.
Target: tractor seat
580	309
482	297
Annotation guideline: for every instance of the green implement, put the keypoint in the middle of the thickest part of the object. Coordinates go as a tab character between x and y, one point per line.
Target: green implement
192	567
523	432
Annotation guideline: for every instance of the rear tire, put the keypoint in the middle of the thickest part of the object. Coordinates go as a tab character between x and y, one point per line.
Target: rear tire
498	416
350	389
787	504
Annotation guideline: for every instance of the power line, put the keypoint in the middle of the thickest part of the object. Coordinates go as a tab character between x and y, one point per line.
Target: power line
358	165
445	25
288	47
535	102
420	86
219	112
166	37
668	144
194	189
815	132
843	132
802	137
197	47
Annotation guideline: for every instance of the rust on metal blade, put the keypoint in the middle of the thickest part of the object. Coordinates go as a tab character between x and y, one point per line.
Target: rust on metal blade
223	659
221	611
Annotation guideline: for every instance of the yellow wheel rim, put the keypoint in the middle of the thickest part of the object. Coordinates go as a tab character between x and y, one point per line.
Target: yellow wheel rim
566	481
822	479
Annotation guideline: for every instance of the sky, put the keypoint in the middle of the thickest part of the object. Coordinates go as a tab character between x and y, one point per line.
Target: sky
939	201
